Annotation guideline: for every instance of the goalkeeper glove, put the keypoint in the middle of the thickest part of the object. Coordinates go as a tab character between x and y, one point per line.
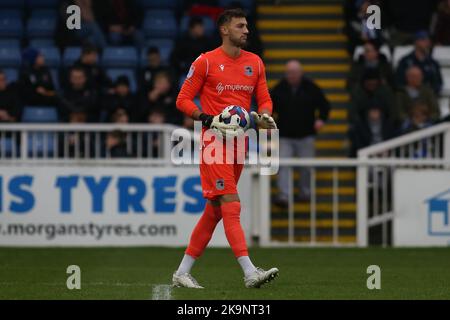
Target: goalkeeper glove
264	121
216	123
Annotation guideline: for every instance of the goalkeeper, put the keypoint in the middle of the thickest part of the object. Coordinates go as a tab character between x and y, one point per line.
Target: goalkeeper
225	76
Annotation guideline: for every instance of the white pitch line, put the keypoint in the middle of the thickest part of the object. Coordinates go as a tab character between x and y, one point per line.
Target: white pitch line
162	292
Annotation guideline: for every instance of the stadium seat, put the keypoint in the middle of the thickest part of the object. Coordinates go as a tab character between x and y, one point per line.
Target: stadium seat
44	13
12	75
41	27
399	53
158	4
165	47
39	114
442	55
17	4
384	49
10	57
14	43
70	55
161	14
113	74
160	24
119	57
446	85
33	4
207	22
246	4
11	13
11	27
52	56
41	144
6	147
42	42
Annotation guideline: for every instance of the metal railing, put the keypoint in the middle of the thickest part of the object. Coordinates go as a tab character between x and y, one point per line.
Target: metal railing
370	204
75	143
423	149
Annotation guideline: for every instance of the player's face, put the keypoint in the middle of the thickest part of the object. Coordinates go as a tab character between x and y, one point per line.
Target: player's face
238	32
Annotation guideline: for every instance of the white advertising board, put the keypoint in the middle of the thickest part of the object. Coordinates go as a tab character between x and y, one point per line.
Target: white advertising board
421	208
105	206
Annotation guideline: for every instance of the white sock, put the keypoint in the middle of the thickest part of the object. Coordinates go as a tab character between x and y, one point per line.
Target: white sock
186	265
246	265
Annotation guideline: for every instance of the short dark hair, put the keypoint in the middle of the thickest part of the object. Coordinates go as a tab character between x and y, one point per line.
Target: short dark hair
88	48
227	15
122	80
78	68
194	21
152	50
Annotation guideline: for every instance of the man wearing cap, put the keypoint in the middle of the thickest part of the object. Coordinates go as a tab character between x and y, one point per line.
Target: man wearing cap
421	57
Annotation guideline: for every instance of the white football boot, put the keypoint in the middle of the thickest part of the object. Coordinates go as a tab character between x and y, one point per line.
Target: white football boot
259	277
185	280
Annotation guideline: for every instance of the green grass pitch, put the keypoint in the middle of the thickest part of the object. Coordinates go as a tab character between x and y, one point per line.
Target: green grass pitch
307	273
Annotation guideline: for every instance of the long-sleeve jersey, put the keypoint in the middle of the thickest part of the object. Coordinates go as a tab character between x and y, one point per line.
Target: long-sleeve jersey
221	80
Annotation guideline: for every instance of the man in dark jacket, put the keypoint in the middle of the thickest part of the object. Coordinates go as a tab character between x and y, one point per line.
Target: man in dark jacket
96	77
35	80
371	128
79	99
190	46
421	57
121	98
9	101
297	100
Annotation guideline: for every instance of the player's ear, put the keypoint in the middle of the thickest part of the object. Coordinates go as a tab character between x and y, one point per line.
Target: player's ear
223	30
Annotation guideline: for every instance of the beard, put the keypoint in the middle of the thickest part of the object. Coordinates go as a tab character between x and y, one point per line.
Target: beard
238	42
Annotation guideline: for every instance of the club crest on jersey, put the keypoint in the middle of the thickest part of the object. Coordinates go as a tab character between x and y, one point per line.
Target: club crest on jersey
220	184
191	72
248	71
221	67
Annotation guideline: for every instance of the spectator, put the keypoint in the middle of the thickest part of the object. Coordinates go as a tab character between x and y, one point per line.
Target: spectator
163	95
373	127
9	101
356	24
120	116
96	77
121	97
153	67
116	146
442	29
415	90
73	144
421	57
79	99
372	58
406	18
370	88
419	118
190	46
157	116
296	101
120	19
90	30
153	142
35	80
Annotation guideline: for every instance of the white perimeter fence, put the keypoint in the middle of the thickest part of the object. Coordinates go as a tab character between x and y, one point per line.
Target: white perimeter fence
150	145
